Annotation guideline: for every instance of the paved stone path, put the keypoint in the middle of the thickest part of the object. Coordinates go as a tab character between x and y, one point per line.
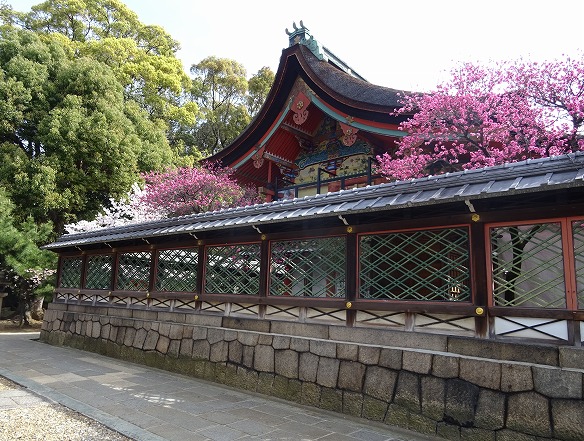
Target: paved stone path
148	404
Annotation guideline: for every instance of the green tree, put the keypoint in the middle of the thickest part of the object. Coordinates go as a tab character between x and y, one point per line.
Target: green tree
259	87
68	138
22	262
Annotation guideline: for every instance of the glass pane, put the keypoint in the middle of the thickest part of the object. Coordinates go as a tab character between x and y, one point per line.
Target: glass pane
134	271
528	268
99	272
578	231
71	272
233	269
311	268
417	265
177	270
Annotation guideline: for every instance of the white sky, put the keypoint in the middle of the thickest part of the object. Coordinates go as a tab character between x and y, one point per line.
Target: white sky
405	44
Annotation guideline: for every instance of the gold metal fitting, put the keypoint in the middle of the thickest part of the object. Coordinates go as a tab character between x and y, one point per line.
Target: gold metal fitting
196	297
349	229
348	305
264	237
147	294
479	311
199	242
475	217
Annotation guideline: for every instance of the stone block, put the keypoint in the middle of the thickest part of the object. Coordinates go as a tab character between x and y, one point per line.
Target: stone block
199	333
482	373
164	329
201	349
323	348
461	402
419	362
352	403
448	431
433	395
203	320
497	350
571	357
445	366
307	367
265	383
139	338
95	329
151	340
380	382
300	329
281	342
568	419
218	352
310	394
176	332
247	379
215	335
265	339
407	393
490	413
299	344
173	348
516	377
248	338
129	337
186	348
328	372
247	356
529	412
347	351
373	409
230	335
369	355
511	435
121	336
105	330
391	358
286	363
143	314
331	399
162	344
351	375
240	323
235	352
264	358
421	424
397	416
557	383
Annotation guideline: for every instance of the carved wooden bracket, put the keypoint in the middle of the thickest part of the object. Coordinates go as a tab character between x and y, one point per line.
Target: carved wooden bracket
349	134
258	157
299	106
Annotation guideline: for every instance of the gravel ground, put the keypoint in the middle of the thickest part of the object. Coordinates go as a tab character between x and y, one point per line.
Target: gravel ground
49	422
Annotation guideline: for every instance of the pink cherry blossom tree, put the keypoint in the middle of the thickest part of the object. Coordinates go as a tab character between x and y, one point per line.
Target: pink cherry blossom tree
486	116
185	191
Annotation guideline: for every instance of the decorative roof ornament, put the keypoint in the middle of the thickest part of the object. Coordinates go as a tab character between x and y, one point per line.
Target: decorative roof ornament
301	35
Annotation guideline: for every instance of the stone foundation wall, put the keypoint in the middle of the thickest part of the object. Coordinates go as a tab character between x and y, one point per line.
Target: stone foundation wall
453	387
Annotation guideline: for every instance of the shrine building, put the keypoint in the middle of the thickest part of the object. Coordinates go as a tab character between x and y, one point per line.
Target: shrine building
447	304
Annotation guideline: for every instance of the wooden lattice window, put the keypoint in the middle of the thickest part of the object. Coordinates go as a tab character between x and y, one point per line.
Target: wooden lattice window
99	272
177	270
233	269
71	268
134	271
427	265
578	235
528	265
310	267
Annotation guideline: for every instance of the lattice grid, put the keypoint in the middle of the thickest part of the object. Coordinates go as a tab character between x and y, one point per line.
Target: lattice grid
578	232
71	272
310	268
177	270
134	271
527	265
430	265
99	272
233	269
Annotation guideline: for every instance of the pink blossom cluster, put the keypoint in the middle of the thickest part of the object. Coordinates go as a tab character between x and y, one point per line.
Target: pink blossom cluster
485	116
185	190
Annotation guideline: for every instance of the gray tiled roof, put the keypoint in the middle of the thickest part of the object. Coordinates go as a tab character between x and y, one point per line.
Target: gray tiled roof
529	176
